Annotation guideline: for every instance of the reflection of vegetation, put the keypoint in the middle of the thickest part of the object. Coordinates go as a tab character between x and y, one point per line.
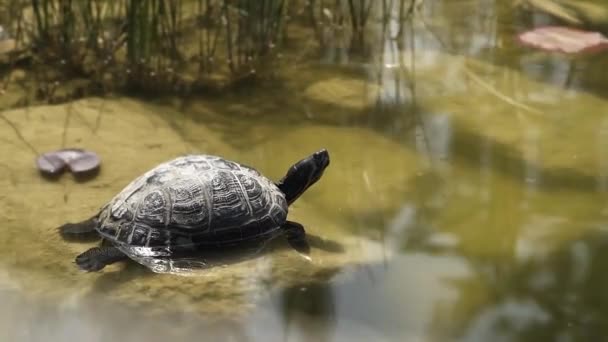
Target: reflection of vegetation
575	12
560	296
313	301
344	23
538	273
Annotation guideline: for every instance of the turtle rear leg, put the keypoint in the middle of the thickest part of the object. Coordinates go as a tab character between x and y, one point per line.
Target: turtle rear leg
97	258
84	229
296	237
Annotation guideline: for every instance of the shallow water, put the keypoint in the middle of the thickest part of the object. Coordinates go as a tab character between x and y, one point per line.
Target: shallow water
467	189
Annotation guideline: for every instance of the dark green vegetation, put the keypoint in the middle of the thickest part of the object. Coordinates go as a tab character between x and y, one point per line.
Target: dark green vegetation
180	46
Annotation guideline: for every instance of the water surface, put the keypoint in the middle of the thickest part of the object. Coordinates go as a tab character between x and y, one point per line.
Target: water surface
467	186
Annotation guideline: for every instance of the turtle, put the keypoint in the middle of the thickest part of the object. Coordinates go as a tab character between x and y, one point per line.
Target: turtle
195	202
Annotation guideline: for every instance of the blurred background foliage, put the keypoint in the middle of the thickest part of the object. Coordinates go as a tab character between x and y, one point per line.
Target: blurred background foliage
178	46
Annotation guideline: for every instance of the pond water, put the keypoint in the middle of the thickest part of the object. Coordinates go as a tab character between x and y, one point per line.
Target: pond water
467	191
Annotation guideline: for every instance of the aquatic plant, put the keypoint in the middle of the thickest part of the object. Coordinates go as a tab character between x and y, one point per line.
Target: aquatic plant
149	43
177	45
254	30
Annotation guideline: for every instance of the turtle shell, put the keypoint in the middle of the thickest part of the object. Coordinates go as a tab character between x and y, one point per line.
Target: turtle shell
191	201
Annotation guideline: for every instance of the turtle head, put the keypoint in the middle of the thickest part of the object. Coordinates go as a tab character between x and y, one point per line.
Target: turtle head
303	174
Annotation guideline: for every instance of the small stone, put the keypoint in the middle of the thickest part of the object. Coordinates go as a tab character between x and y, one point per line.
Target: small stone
50	164
78	161
348	93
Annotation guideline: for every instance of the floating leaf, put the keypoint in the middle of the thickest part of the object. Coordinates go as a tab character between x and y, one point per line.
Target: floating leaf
564	39
78	161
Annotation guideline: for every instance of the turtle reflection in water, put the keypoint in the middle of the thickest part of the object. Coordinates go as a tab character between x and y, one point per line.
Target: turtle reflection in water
194	203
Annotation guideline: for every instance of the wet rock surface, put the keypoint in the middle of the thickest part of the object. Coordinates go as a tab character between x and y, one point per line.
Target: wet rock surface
131	139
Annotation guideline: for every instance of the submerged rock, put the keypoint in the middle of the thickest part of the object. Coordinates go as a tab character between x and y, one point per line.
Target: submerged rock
340	99
132	138
78	161
351	93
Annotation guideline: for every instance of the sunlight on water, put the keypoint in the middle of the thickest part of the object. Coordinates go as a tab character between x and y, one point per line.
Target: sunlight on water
465	200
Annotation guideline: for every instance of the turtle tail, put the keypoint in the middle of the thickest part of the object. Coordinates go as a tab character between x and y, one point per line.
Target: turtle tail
84	230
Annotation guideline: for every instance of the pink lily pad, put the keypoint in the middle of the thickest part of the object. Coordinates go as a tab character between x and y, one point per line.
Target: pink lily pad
563	39
78	161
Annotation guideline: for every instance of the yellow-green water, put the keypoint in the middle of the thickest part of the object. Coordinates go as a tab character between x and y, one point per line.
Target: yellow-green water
467	186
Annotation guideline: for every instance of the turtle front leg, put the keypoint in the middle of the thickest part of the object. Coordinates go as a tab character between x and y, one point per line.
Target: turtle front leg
82	229
97	258
296	237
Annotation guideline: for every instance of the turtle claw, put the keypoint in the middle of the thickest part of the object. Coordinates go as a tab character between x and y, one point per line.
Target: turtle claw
306	257
300	245
88	262
97	258
296	237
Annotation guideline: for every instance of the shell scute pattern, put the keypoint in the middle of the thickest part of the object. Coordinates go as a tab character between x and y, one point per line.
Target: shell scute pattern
189	207
258	198
124	233
139	236
194	199
108	230
230	207
153	209
223	164
251	170
278	215
158	238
